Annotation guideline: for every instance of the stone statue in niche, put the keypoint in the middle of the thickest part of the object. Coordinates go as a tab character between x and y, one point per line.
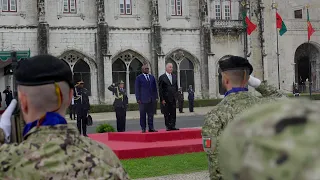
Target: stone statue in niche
41	10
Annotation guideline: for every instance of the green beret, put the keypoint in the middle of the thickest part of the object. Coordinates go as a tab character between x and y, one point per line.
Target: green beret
41	70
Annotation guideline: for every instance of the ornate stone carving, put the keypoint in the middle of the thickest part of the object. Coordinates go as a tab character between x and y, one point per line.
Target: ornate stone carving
41	10
178	56
71	58
100	11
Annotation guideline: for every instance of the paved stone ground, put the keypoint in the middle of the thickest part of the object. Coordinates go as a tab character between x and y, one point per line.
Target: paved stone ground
204	175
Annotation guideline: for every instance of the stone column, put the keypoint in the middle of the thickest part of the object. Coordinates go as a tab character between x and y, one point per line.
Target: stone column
257	39
161	64
43	29
155	37
102	47
108	78
212	75
205	47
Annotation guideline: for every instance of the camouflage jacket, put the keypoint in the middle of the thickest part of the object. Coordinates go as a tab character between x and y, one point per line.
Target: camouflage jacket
58	153
219	117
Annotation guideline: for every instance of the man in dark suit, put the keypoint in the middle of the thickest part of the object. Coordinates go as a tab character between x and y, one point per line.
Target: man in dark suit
81	99
168	87
146	95
191	98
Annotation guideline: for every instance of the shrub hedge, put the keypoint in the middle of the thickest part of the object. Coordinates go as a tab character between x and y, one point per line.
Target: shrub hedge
103	128
197	103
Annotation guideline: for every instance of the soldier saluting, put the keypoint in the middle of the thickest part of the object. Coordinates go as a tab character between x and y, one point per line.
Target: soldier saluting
82	106
51	148
120	105
235	77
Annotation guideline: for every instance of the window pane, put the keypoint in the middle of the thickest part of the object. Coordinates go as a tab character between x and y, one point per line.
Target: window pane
298	14
173	7
65	6
13	6
186	64
186	79
128	9
135	70
121	1
227	12
119	65
5	5
128	2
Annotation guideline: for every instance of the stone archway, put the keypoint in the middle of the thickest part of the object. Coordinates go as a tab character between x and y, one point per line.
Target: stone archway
307	66
126	66
185	66
83	68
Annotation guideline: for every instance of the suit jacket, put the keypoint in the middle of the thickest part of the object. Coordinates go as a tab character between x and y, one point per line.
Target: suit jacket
190	94
121	98
146	91
168	91
81	99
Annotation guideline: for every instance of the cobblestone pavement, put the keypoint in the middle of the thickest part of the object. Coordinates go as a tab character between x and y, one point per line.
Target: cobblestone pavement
204	175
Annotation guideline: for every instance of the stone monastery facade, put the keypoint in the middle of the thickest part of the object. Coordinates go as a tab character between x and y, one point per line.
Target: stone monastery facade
105	41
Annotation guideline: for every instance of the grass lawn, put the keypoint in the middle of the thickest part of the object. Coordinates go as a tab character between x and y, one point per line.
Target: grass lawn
166	165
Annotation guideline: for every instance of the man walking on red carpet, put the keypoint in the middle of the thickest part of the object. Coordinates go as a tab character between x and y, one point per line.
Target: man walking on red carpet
146	95
168	87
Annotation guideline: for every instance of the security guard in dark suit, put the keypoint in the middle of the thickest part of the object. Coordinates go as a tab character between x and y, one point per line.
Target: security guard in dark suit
120	105
180	100
82	106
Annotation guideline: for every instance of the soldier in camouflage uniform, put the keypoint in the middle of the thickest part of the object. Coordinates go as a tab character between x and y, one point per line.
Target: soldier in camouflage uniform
51	148
235	76
275	141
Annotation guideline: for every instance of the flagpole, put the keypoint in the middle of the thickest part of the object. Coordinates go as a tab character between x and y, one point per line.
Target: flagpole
309	56
278	58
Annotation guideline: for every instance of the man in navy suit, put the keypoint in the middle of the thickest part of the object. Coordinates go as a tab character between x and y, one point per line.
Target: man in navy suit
146	95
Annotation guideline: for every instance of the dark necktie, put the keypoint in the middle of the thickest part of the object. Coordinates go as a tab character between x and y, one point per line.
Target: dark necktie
148	77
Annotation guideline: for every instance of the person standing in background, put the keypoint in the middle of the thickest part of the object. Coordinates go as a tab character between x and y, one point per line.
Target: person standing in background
168	87
9	96
72	110
120	105
82	107
180	100
146	95
191	98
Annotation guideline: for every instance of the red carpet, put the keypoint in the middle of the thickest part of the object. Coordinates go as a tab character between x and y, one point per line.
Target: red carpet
134	144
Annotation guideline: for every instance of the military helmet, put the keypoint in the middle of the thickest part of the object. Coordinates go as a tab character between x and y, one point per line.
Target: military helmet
277	141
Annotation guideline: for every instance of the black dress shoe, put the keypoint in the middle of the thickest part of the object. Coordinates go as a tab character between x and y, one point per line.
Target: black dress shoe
85	135
143	131
175	129
152	130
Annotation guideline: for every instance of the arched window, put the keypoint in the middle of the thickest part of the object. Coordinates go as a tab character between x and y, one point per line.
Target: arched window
186	74
135	70
81	72
119	70
175	67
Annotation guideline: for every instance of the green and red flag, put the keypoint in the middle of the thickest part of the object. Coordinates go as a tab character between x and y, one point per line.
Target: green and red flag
247	24
310	28
280	24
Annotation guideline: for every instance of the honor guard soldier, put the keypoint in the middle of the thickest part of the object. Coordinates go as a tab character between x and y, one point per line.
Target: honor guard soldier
191	98
235	77
120	105
82	106
51	148
180	100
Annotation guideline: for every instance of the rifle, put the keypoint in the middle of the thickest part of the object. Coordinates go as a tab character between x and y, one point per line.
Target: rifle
17	122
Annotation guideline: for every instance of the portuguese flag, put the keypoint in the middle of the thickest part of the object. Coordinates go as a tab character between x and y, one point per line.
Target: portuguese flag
281	25
310	28
247	24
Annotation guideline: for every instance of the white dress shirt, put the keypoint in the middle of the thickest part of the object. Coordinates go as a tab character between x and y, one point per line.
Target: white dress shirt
169	76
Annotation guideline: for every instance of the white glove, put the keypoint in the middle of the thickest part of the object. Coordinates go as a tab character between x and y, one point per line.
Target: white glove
5	122
254	82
